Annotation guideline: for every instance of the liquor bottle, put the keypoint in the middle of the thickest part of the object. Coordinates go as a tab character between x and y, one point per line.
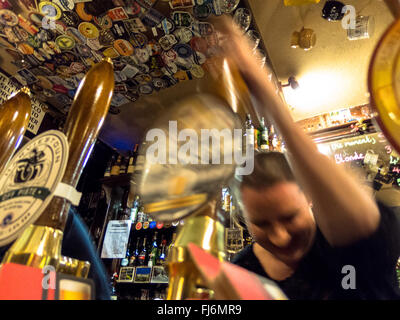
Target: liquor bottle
162	255
171	244
135	210
135	254
264	144
139	165
250	131
153	256
40	244
124	167
14	119
116	167
273	139
142	257
135	150
131	165
107	173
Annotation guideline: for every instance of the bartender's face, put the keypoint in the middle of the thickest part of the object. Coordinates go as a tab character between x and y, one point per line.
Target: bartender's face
280	219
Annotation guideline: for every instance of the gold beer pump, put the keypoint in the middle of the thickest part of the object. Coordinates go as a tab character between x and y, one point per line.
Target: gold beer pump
192	192
14	119
40	243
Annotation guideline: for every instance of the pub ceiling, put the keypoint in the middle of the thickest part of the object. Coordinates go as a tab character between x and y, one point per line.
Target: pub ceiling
161	48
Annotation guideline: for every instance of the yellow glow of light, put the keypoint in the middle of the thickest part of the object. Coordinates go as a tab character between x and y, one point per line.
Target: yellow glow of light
324	149
317	89
229	79
207	236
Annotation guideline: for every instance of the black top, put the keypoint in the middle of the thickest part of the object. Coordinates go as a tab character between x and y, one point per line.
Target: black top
321	273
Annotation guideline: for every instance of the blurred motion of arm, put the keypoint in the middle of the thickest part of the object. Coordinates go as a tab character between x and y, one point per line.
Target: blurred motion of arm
344	211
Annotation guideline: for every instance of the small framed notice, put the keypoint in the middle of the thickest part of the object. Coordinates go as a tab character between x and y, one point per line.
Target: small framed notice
126	274
142	275
159	275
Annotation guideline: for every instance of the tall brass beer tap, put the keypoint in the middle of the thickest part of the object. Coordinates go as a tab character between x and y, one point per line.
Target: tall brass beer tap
40	244
14	119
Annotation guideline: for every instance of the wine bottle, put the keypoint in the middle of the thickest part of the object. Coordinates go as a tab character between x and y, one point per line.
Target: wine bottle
132	159
273	139
135	254
131	167
14	119
143	254
250	131
117	166
40	244
153	256
162	255
139	165
123	167
264	144
107	173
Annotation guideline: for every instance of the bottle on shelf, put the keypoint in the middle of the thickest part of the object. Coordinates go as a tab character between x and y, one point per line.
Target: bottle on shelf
153	256
273	139
264	144
123	167
142	257
250	131
141	214
107	173
162	255
131	165
135	210
125	261
140	160
117	166
135	254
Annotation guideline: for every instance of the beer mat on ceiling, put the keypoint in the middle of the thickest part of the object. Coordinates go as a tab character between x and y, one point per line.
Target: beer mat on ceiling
54	43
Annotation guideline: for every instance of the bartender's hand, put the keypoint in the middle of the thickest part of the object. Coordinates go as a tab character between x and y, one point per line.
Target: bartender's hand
344	212
237	48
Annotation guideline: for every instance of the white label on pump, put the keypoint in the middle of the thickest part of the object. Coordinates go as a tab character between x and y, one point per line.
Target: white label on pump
29	181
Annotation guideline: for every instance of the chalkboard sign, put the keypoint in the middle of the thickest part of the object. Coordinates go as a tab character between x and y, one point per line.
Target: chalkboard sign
366	150
369	148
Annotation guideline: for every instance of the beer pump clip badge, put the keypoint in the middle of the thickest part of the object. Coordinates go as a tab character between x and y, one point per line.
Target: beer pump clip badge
30	181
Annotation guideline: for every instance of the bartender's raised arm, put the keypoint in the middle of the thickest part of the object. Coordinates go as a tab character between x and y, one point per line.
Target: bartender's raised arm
344	212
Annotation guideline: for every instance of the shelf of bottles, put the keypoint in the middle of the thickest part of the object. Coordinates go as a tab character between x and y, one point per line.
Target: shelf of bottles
265	137
142	273
122	166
